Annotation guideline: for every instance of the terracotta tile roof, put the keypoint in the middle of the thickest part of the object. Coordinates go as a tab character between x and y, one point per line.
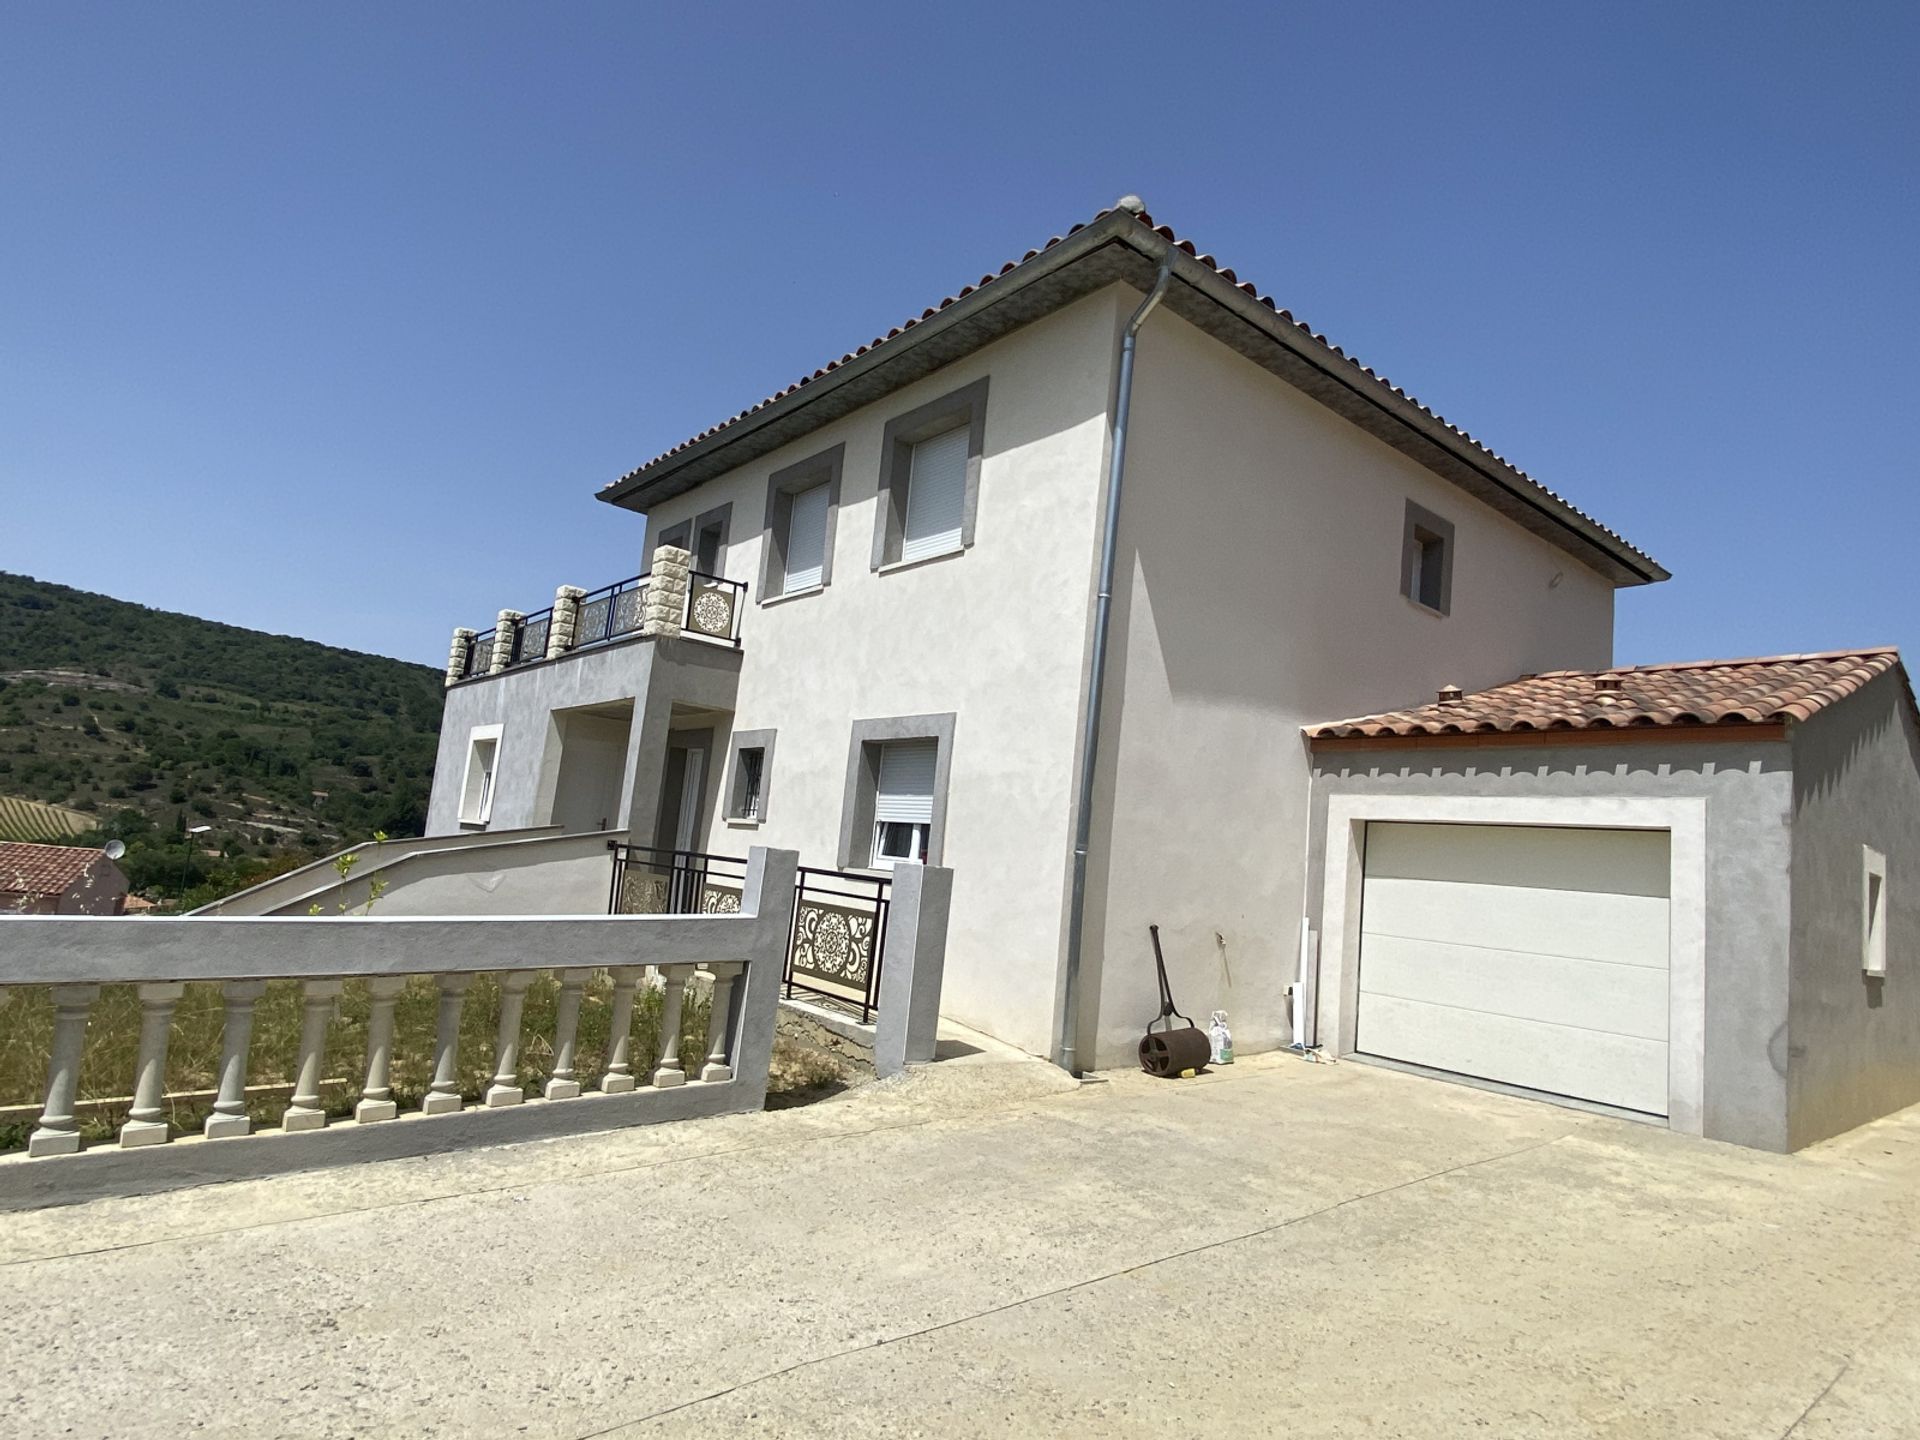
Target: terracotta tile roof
1763	691
1117	214
43	869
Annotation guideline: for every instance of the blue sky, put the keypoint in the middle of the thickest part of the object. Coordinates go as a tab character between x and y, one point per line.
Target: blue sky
330	319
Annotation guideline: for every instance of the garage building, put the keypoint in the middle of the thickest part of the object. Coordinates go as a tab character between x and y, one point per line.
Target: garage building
1678	892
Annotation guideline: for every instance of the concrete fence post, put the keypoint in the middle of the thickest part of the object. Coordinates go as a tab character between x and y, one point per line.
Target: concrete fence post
767	895
668	583
908	1021
457	654
565	627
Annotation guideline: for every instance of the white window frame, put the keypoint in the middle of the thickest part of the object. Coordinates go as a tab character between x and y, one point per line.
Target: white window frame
477	809
919	836
1873	913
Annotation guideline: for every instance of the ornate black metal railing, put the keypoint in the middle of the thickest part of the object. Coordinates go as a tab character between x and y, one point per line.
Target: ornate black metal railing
651	881
611	612
479	654
837	941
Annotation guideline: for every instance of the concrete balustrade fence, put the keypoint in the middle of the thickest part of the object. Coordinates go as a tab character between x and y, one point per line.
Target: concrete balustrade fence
743	954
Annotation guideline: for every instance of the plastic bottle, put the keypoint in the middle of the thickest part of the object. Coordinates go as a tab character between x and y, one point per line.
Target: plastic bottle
1222	1038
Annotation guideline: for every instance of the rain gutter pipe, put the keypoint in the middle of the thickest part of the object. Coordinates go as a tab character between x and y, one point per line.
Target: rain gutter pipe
1096	674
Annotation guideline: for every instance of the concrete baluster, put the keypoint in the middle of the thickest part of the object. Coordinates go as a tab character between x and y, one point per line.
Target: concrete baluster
619	1077
505	1089
564	629
506	631
443	1096
305	1111
229	1117
147	1120
376	1096
458	653
565	1084
668	1073
720	1023
58	1132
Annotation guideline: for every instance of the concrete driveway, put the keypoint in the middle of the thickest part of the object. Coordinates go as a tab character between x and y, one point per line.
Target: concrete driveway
985	1249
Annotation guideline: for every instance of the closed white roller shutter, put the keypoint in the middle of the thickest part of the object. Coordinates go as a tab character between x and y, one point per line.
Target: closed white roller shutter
936	495
905	791
806	540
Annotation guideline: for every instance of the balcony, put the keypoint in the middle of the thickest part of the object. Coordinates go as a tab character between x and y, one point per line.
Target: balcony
670	599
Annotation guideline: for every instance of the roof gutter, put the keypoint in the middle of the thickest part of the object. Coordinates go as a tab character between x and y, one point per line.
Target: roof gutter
1096	673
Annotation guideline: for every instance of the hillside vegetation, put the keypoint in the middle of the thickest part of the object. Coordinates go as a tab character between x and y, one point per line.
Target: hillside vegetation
154	723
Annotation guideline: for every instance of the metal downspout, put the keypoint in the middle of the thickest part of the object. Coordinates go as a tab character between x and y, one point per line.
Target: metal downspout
1103	610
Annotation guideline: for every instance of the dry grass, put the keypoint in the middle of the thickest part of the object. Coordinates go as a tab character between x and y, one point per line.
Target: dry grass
193	1056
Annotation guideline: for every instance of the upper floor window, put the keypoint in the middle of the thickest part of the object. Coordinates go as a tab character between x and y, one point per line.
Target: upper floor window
930	478
704	538
1426	560
803	502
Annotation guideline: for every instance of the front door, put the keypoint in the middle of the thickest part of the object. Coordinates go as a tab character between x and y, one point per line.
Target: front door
683	784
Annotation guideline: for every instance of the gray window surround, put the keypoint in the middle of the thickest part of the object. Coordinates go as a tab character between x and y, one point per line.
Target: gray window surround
682	534
863	775
1422	527
761	740
965	406
785	483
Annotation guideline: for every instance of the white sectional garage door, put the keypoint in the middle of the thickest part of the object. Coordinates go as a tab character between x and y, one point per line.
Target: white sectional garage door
1530	955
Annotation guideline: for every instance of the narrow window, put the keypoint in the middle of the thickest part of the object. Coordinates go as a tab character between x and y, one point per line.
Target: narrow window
903	802
476	793
1873	916
707	548
752	765
936	496
806	547
1426	560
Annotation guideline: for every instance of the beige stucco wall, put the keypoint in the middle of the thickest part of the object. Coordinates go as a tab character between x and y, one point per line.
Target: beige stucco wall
1259	591
997	635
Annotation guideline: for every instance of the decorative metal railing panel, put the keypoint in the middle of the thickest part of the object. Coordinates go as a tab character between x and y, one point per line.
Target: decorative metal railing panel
839	934
713	607
479	653
532	644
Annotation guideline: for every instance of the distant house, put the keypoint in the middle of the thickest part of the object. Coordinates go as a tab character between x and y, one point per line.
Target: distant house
59	880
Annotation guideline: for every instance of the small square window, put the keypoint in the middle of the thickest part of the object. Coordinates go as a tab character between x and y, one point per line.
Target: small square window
750	775
1873	913
752	766
1426	560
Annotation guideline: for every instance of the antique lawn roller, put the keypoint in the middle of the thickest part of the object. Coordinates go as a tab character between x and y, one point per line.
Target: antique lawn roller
1171	1050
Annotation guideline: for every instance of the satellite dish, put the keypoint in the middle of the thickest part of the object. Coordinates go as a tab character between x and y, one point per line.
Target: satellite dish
115	849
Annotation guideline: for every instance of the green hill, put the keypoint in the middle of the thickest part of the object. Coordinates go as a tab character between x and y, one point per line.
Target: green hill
156	723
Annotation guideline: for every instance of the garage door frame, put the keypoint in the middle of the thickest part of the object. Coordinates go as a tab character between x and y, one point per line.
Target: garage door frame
1685	821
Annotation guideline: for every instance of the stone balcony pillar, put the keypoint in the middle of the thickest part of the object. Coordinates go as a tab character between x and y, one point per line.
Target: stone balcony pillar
458	653
564	629
667	587
506	630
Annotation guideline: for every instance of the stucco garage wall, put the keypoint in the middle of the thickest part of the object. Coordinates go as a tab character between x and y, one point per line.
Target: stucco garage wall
1855	1042
548	875
1259	591
996	635
1748	789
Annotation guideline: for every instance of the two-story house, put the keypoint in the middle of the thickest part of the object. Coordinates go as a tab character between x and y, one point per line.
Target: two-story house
882	646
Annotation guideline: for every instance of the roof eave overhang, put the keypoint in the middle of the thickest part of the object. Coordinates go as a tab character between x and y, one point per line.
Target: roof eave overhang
1118	247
